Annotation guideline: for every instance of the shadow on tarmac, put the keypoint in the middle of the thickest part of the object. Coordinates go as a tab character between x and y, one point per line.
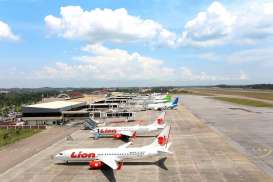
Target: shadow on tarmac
124	139
108	172
160	163
73	164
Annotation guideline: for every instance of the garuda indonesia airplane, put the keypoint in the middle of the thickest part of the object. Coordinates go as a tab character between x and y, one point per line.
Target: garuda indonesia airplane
164	106
159	99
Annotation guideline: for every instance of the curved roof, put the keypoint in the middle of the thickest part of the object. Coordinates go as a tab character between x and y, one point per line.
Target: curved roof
55	104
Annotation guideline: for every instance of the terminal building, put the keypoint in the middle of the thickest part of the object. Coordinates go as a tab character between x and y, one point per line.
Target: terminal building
57	112
103	106
117	101
113	114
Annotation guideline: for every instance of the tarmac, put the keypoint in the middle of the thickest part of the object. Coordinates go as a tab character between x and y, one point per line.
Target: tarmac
200	154
248	129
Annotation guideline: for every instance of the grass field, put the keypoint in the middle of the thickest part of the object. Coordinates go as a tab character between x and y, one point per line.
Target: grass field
8	136
246	102
257	94
190	92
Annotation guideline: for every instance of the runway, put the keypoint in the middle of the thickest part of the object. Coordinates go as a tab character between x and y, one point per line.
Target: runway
248	129
200	154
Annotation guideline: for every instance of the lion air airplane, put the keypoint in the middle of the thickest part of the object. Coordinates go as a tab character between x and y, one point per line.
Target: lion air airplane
129	131
113	157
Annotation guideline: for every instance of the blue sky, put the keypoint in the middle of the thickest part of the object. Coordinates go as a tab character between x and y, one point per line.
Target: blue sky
135	43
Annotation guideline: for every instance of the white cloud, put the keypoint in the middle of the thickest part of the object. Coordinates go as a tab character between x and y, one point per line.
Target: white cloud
6	33
101	25
110	64
217	25
258	55
243	76
210	27
249	24
255	23
116	65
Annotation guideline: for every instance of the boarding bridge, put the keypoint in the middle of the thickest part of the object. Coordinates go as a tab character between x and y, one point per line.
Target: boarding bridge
113	114
120	114
89	124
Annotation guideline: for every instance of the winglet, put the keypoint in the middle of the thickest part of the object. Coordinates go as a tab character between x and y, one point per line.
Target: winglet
133	137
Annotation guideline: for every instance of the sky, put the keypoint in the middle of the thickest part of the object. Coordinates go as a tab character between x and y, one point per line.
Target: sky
113	43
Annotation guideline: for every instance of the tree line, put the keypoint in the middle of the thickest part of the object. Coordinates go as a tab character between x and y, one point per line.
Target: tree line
13	100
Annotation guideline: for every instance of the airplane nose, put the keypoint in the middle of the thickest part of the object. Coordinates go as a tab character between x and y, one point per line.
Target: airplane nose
59	159
56	157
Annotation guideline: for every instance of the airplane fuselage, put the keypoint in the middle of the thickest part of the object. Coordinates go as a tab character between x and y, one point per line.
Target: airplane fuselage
113	130
163	106
160	106
87	155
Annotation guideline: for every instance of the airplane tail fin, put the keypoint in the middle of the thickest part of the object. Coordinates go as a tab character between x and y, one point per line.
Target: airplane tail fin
160	120
168	98
95	133
162	139
175	102
166	149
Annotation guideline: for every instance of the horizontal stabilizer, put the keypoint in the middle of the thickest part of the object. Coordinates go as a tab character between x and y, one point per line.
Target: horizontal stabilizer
166	150
125	145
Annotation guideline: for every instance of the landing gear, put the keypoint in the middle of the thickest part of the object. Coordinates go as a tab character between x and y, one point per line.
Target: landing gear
120	164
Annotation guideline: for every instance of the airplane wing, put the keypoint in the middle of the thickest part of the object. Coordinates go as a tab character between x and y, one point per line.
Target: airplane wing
109	161
127	133
125	145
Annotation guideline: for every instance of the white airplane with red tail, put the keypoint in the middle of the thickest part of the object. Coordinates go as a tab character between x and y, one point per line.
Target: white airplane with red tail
114	157
129	131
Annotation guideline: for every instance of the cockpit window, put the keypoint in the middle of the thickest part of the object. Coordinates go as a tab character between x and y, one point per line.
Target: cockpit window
60	153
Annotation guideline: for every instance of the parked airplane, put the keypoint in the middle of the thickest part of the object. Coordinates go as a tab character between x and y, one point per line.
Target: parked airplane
129	131
152	99
164	106
162	99
113	157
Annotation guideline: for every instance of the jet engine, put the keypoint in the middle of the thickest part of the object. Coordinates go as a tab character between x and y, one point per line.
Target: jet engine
117	136
95	164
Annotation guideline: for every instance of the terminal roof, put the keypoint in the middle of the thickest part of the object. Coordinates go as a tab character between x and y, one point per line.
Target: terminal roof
55	104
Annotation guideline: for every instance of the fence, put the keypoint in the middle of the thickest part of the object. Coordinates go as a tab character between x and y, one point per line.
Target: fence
22	127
